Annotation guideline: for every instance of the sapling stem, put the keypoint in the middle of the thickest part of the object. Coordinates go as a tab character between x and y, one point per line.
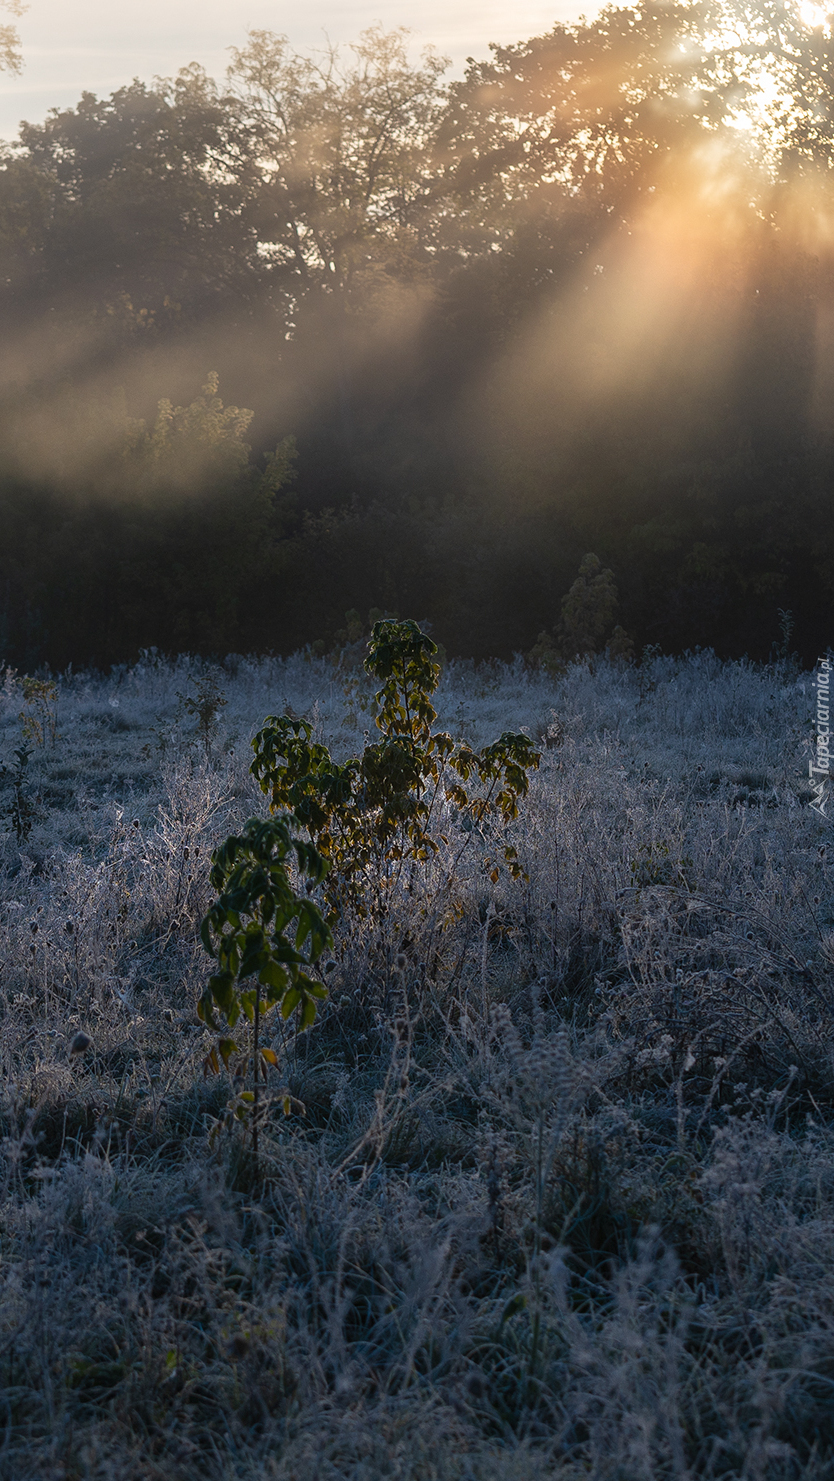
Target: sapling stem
256	1067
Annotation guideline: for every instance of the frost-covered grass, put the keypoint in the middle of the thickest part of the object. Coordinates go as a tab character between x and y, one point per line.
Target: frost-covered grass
561	1203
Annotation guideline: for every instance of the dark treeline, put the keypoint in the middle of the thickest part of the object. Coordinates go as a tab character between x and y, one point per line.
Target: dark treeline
581	300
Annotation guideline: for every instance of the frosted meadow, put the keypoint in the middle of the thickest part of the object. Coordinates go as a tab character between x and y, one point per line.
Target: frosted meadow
556	1194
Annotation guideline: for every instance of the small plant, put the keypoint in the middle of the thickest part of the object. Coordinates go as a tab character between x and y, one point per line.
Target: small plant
353	630
204	707
545	654
22	814
9	684
39	716
376	815
587	614
349	641
620	646
266	940
587	610
647	683
781	652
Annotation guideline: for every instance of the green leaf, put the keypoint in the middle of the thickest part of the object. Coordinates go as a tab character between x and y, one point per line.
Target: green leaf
308	1013
282	951
246	1000
222	989
274	975
291	1000
227	1047
254	962
205	936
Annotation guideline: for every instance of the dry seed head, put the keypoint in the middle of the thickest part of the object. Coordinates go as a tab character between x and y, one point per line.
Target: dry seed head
506	1032
500	1015
538	1064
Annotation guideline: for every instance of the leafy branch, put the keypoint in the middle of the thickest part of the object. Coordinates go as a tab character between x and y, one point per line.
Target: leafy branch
373	814
266	939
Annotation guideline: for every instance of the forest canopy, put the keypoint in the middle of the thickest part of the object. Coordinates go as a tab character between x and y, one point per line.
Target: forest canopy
580	299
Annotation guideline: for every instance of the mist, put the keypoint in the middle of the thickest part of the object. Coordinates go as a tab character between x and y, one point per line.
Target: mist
578	301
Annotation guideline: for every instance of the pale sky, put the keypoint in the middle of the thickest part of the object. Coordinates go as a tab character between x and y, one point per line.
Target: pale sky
98	45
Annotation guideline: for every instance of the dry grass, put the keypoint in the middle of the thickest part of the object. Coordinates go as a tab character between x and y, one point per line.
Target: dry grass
561	1204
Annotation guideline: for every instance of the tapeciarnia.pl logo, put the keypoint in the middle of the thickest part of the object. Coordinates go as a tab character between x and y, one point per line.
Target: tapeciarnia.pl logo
818	766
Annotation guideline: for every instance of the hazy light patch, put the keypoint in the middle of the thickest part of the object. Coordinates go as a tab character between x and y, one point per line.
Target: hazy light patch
766	94
814	16
632	322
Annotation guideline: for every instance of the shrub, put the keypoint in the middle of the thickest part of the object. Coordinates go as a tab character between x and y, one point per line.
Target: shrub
248	932
377	815
39	716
